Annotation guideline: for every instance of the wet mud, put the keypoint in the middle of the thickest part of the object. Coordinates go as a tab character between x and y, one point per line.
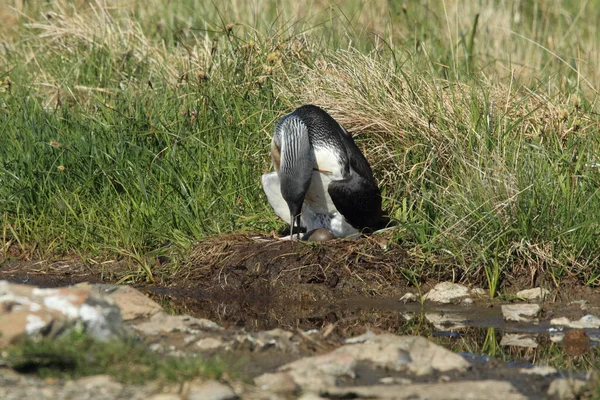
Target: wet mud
342	287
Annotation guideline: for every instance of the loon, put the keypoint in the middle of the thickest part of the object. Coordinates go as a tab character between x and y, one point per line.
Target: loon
321	178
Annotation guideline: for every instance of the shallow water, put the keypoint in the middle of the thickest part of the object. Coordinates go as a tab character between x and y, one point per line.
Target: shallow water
476	330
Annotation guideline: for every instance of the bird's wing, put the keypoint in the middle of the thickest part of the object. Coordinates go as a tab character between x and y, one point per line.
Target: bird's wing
271	186
357	196
358	200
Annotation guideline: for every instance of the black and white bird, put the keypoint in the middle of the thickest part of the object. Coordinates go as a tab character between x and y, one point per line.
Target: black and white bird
321	178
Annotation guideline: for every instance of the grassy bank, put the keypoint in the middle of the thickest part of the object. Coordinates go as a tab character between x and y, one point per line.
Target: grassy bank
127	126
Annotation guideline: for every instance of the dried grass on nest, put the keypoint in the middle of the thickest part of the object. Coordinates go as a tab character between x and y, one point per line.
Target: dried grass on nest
240	261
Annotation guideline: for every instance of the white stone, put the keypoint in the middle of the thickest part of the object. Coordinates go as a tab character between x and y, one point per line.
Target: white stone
444	321
564	388
520	312
209	343
537	293
519	340
447	292
483	389
369	334
586	322
408	298
34	324
543	370
210	390
563	321
416	355
467	301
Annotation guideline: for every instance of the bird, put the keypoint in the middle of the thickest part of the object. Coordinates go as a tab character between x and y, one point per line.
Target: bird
321	178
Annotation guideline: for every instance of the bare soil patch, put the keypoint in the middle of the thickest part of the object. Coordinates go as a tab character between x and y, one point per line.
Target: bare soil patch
258	282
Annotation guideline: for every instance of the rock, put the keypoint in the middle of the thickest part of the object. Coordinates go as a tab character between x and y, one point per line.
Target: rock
275	338
105	385
444	321
277	382
408	316
394	380
132	303
543	370
483	389
537	293
164	323
519	340
210	390
563	321
564	388
413	353
165	396
520	312
369	334
447	292
311	396
27	310
416	355
586	322
467	301
408	298
209	343
583	304
478	292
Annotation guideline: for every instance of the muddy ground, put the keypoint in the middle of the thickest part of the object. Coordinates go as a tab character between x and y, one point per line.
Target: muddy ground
259	283
340	289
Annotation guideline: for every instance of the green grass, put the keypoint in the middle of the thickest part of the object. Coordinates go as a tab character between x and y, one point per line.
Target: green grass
75	355
133	126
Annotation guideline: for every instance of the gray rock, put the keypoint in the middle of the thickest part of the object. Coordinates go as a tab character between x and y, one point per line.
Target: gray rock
520	312
394	380
210	390
277	382
164	323
132	303
543	370
103	385
537	293
275	338
311	396
484	389
447	292
566	389
165	396
587	321
369	334
408	298
562	321
519	340
478	292
445	321
210	343
27	310
398	353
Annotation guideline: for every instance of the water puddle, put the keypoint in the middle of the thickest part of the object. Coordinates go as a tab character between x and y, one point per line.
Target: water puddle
477	331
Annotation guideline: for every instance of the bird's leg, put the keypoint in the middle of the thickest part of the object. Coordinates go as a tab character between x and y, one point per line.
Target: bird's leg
294	220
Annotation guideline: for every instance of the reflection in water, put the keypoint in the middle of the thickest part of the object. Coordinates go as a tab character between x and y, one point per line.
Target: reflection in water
475	330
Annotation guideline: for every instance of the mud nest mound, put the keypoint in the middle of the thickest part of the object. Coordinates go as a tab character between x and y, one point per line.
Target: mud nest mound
301	271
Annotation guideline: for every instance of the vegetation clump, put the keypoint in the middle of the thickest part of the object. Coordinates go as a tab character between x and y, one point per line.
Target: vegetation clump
131	125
